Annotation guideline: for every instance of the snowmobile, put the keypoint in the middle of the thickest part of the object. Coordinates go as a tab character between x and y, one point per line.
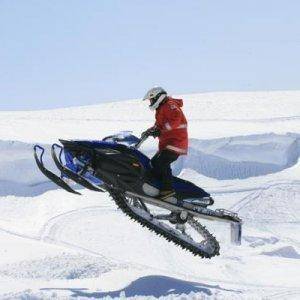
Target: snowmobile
115	165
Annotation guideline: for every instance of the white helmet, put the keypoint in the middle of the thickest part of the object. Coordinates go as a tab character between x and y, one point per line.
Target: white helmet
156	96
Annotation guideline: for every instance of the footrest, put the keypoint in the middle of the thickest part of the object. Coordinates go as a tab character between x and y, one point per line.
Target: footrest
228	213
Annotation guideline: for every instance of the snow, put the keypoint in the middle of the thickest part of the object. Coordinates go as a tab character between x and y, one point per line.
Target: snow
241	157
288	252
67	266
274	203
244	150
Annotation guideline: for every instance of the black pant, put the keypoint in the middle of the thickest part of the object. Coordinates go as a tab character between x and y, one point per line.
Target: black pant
161	162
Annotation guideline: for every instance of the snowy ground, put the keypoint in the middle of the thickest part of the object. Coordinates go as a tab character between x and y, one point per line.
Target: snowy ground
244	149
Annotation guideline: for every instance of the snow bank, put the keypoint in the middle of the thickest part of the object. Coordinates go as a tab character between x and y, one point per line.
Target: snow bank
17	162
241	156
210	115
19	174
226	158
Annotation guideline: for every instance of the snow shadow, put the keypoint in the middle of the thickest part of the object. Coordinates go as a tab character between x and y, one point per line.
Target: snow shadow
154	285
260	241
286	252
18	189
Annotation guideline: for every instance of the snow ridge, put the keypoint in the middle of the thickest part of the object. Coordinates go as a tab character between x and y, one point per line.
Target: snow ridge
241	157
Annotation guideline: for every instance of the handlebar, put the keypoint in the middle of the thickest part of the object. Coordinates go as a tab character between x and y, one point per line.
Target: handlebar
141	141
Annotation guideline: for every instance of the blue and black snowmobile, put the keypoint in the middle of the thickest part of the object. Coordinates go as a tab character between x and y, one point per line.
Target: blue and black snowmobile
115	165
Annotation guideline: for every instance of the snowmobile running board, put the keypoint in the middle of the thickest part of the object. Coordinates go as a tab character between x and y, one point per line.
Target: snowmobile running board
201	212
219	214
53	177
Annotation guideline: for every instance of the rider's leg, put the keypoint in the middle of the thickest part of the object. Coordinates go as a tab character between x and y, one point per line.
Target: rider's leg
161	163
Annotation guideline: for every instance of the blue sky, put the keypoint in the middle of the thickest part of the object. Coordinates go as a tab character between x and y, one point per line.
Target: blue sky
62	53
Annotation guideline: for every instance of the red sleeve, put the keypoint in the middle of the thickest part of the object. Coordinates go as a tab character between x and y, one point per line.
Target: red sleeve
172	117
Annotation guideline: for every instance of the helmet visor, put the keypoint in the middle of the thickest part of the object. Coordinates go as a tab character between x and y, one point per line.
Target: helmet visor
152	100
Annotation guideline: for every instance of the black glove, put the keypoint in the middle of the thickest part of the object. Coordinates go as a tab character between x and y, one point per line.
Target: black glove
152	131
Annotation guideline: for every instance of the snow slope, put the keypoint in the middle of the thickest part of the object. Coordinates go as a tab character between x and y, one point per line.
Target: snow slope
242	156
244	149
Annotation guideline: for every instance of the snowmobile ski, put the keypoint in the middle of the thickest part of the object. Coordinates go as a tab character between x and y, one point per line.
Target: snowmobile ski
72	175
53	177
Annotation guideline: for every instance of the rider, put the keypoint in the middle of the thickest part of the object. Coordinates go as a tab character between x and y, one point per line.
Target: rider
171	129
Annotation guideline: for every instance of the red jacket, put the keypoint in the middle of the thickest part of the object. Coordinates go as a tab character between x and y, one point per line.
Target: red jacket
173	126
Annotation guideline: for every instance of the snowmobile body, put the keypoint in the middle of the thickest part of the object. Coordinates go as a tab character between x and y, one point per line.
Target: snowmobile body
125	168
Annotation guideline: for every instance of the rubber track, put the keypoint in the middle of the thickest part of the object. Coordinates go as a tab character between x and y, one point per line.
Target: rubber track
207	235
120	200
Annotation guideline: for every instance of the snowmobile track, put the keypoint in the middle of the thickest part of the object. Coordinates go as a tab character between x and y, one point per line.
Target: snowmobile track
121	203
